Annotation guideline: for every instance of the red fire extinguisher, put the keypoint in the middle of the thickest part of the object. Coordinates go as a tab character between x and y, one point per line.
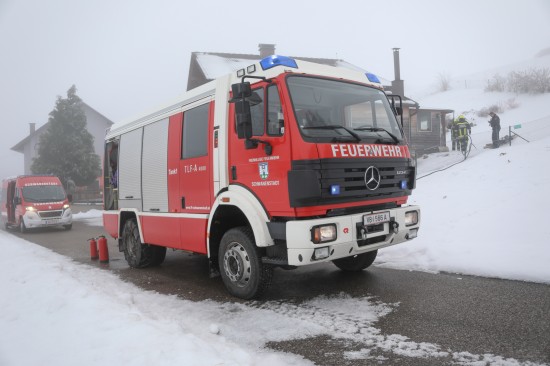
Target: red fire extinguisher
93	249
103	250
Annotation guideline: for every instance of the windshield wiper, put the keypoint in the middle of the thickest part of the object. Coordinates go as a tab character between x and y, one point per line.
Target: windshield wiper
376	129
334	127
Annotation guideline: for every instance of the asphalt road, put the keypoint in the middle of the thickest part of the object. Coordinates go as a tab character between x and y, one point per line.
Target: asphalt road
459	313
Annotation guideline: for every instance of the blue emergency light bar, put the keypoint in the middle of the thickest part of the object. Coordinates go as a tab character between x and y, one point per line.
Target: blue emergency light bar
276	60
373	78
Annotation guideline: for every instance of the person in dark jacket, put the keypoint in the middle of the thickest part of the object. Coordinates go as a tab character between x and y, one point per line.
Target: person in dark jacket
495	125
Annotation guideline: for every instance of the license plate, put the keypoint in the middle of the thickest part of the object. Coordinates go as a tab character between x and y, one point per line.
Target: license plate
51	222
376	218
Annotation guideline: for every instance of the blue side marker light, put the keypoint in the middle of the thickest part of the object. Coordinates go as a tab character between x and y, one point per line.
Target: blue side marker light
372	78
404	184
335	189
276	60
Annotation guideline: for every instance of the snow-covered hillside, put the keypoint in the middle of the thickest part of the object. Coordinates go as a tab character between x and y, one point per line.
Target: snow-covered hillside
483	216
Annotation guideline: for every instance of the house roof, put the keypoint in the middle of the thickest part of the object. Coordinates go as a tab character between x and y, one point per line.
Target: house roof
211	65
20	146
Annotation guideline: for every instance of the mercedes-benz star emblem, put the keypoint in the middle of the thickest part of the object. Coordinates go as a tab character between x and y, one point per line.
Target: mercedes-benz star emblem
372	178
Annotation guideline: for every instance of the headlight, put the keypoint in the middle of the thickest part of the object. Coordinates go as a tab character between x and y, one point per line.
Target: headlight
30	209
411	218
66	206
323	233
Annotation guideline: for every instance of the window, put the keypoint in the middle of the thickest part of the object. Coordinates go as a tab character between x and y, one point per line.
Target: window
330	110
257	112
424	121
275	118
195	132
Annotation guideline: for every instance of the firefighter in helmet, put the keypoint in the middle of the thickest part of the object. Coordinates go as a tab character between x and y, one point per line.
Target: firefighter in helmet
460	131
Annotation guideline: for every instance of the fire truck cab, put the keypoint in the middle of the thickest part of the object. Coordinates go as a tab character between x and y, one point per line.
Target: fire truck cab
282	163
34	201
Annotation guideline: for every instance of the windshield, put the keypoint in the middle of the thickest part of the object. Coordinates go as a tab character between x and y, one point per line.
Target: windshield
43	193
330	110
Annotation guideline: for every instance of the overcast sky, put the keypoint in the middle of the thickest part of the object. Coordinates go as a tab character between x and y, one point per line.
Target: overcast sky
125	56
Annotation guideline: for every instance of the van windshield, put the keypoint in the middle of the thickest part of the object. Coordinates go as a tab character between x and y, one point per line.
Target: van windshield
331	110
43	193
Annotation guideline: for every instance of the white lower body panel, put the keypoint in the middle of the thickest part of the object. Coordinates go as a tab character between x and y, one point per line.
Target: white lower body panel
348	242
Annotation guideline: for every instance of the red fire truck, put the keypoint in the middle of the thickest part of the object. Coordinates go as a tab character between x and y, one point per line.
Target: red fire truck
282	163
33	201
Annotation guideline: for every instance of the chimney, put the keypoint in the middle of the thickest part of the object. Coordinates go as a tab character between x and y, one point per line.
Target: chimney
266	49
398	86
32	128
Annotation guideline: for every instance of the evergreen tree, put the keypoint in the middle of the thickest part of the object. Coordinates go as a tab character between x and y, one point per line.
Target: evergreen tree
66	148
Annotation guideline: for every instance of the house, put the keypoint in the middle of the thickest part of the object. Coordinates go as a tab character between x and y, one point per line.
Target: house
96	124
424	128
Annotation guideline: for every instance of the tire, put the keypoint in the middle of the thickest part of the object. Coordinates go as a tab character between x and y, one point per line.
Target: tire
157	255
68	227
242	271
356	263
22	228
138	254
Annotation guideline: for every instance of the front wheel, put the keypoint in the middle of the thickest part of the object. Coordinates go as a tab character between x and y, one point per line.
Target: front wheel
356	263
242	272
22	228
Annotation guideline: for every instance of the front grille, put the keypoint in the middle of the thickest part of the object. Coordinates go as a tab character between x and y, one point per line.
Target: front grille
350	176
50	214
315	177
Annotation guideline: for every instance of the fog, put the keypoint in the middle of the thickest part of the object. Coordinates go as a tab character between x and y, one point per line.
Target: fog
125	56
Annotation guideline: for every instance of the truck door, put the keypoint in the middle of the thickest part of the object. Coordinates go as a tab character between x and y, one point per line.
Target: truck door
263	173
196	175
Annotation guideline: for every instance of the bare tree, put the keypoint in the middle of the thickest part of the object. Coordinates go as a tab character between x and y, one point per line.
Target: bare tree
443	82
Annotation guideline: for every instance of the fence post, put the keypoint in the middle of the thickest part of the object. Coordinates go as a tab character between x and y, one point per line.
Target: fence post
510	134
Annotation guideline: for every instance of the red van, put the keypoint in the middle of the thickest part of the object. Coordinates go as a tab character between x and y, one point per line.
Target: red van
32	201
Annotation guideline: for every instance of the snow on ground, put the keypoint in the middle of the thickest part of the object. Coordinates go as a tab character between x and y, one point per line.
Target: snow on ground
57	311
484	216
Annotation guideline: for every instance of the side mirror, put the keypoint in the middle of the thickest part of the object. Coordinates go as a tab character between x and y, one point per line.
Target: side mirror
70	198
399	111
243	119
17	200
241	90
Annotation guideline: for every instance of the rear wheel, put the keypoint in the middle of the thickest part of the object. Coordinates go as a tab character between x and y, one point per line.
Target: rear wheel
68	227
356	263
242	272
138	254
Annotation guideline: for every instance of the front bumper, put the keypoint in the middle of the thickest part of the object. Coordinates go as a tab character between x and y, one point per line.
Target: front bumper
33	219
351	239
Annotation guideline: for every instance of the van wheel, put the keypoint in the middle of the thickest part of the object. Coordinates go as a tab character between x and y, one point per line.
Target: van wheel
243	273
138	254
68	227
356	263
22	228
